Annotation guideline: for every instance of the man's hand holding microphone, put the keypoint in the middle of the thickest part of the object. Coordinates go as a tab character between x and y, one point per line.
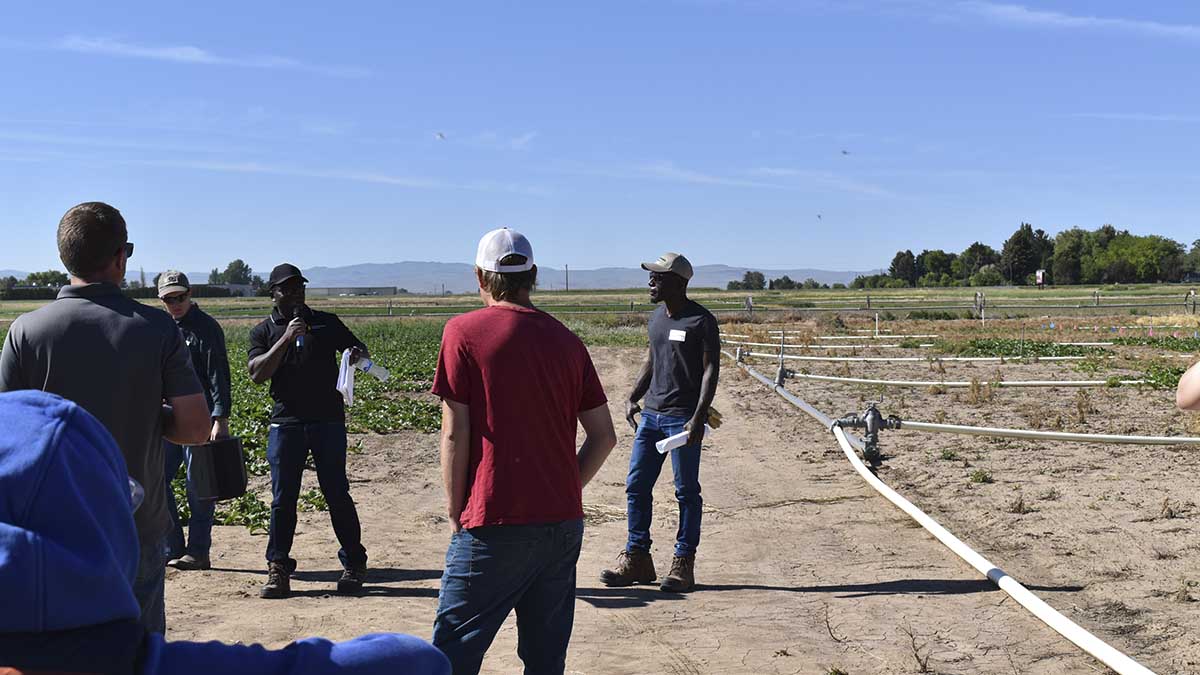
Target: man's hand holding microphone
296	329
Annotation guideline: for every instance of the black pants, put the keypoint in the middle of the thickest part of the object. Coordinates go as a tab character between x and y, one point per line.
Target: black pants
287	452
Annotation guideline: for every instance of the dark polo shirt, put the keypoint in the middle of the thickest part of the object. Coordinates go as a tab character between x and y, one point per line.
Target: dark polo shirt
678	344
304	387
118	359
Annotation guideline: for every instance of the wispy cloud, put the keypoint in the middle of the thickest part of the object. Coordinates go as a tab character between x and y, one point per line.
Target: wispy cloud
26	138
827	179
411	182
1026	16
522	141
494	140
663	170
186	54
1138	117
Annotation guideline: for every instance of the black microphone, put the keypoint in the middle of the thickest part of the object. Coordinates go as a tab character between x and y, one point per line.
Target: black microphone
296	313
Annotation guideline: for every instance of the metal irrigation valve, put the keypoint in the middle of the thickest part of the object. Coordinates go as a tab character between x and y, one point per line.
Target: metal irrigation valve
872	421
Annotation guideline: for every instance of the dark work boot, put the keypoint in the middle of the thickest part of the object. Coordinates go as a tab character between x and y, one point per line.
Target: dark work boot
352	579
633	567
279	582
683	575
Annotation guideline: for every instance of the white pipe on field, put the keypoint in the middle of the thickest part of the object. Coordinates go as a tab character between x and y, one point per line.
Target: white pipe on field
869	337
960	385
1051	617
916	359
1119	662
1049	435
810	346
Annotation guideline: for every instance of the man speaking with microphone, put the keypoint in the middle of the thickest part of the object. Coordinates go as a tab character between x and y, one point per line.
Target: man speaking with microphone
296	349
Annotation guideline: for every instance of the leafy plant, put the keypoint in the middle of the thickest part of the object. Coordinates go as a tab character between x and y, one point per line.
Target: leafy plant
1162	376
1167	342
1012	347
981	476
313	500
248	511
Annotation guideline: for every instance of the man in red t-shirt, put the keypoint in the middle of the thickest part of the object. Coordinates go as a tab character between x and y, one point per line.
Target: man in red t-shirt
513	383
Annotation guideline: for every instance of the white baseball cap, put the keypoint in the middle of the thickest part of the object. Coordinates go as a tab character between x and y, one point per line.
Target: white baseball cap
499	244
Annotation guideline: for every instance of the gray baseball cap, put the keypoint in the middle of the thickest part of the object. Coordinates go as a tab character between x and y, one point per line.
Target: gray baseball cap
172	281
670	262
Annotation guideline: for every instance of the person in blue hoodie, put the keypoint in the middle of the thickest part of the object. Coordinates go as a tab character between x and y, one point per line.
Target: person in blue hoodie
69	556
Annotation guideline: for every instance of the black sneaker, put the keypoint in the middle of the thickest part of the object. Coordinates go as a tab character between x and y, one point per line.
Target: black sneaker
279	582
352	579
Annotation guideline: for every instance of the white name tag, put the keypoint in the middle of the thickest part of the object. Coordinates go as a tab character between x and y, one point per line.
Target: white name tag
678	335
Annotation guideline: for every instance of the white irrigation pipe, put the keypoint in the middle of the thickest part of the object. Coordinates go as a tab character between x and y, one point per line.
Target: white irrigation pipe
850	337
914	359
871	337
802	346
1049	435
1038	607
1091	644
959	385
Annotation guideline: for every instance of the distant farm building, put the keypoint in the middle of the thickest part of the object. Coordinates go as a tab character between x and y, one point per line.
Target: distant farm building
350	291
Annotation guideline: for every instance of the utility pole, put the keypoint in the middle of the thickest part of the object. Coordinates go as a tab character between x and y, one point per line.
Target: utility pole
568	272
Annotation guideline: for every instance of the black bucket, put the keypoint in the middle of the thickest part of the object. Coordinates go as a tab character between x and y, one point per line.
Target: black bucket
218	469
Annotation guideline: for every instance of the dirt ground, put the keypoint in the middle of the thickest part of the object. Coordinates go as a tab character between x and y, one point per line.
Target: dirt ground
802	566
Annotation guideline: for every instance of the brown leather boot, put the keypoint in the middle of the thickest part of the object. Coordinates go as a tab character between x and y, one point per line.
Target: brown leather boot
633	567
279	582
683	575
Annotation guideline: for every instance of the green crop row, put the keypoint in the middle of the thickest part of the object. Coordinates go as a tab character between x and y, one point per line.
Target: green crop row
1167	342
1011	347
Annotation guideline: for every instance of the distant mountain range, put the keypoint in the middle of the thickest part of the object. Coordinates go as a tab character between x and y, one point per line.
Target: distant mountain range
431	277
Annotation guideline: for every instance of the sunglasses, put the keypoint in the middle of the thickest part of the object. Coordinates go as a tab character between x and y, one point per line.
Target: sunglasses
175	299
127	247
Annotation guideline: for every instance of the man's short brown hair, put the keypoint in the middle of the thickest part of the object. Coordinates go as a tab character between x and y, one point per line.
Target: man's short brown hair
89	236
508	285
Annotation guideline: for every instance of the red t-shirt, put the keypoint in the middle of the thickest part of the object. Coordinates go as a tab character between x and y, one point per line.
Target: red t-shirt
526	378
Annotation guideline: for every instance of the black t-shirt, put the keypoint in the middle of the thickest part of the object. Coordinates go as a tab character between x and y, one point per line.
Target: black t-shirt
678	344
304	387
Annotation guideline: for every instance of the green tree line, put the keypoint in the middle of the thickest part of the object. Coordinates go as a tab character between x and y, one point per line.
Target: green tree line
1105	255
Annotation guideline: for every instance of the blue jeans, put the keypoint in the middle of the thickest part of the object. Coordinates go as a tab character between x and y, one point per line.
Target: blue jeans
288	446
492	570
148	586
645	463
200	521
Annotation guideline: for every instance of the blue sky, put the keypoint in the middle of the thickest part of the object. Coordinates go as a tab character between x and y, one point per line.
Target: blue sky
607	133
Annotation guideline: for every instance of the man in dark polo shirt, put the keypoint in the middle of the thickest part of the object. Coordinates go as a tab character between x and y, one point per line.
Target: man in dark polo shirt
121	361
515	384
679	380
296	349
205	340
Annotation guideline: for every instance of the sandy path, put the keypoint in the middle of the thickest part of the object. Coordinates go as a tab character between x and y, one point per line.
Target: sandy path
801	565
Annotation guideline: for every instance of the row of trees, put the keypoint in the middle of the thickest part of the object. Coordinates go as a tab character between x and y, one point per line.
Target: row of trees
757	281
236	272
47	279
1074	256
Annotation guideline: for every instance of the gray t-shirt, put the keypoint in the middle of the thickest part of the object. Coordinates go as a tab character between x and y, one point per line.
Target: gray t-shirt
678	344
118	359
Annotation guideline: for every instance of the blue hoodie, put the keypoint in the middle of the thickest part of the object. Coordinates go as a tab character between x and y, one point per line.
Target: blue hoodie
68	557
